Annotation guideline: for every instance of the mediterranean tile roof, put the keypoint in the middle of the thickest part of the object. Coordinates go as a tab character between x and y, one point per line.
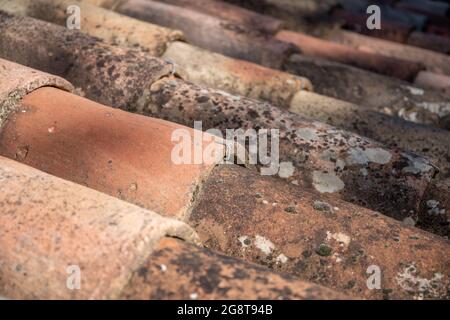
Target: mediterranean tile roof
91	120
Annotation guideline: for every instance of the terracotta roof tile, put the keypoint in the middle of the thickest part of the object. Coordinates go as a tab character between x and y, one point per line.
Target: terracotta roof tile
196	273
50	224
323	225
429	41
178	101
198	65
119	153
362	84
393	67
122	251
282	222
211	32
434	61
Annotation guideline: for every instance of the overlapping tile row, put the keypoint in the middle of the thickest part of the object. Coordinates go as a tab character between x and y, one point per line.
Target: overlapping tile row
298	16
341	81
254	218
300	228
308	45
210	32
199	65
235	76
312	46
178	270
430	18
49	224
435	62
51	227
321	155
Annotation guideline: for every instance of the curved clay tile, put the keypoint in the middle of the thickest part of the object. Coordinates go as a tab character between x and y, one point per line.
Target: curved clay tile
179	270
332	79
312	46
49	225
17	81
433	61
98	22
198	65
212	33
119	250
129	79
234	210
375	91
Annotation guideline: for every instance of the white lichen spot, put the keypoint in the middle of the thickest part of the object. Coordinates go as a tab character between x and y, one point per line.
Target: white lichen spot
307	134
265	202
327	182
409	280
363	171
340	237
281	258
415	91
378	155
286	169
265	245
163	267
294	182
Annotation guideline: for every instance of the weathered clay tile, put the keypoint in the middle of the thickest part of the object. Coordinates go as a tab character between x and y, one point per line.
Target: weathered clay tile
120	250
247	18
434	61
425	140
236	76
179	270
378	92
321	157
393	31
51	226
212	33
427	79
435	209
98	22
248	79
110	150
17	81
86	61
311	46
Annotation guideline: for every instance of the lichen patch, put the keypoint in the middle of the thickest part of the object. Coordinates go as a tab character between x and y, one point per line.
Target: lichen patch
327	182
